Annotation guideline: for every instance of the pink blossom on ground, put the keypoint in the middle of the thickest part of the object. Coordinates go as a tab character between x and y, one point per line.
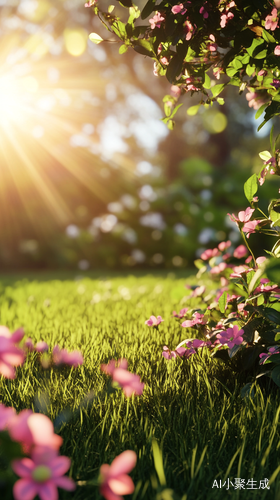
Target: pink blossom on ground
156	21
29	344
63	357
189	29
34	429
167	354
198	319
178	9
114	478
250	227
6	414
153	321
271	22
129	382
41	475
209	253
42	346
112	365
240	252
232	336
224	245
243	215
181	313
10	355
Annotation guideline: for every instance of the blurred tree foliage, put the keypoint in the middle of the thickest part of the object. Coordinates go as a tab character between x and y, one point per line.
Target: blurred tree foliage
90	176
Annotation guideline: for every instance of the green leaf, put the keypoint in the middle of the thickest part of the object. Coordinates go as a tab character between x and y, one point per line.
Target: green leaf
175	67
260	111
273	270
275	375
126	3
257	42
123	48
207	82
261	55
262	124
143	47
268	37
234	350
265	155
251	187
148	9
275	358
95	38
220	100
250	69
217	89
272	315
111	8
223	302
193	110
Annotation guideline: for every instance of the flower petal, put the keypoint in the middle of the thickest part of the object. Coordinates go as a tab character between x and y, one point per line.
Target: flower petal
107	493
122	485
24	467
60	465
64	482
123	463
7	370
47	491
25	489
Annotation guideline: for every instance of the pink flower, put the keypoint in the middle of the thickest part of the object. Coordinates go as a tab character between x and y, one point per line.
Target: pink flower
129	382
240	252
224	245
42	346
277	50
175	91
198	291
275	83
181	313
153	321
256	99
264	356
33	429
209	253
114	478
90	3
238	271
203	11
63	357
6	414
189	29
271	22
167	354
29	344
156	21
225	18
217	72
250	227
198	319
10	354
41	475
219	269
232	336
243	215
112	365
178	9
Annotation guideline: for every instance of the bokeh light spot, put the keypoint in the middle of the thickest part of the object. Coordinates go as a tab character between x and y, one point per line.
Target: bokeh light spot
75	41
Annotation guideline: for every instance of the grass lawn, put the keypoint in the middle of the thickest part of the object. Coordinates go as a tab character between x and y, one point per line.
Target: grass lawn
192	408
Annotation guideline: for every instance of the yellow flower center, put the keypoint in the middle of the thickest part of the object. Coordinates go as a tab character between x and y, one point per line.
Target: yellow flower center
41	473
